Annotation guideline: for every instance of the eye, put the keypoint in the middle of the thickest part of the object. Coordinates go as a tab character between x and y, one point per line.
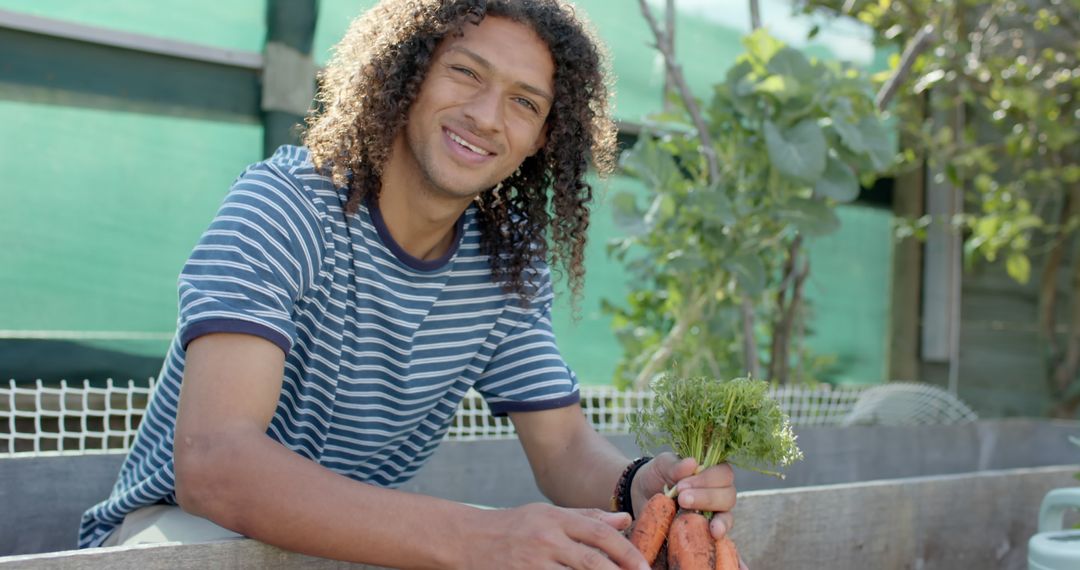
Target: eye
528	105
464	70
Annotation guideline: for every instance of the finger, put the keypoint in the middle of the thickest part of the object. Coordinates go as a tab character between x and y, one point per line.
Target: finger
665	470
681	469
721	524
604	540
716	476
742	565
663	464
581	557
617	521
708	499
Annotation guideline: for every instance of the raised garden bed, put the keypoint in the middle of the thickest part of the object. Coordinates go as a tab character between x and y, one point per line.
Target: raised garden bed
962	496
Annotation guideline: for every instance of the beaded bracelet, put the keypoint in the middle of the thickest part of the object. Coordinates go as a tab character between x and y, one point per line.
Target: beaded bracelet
621	500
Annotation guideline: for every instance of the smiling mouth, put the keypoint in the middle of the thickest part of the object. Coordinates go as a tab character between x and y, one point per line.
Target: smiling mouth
466	144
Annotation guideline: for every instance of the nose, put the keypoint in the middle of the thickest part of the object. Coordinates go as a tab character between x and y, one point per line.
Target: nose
484	109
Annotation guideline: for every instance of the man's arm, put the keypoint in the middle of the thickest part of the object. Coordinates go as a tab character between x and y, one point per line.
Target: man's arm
574	466
229	471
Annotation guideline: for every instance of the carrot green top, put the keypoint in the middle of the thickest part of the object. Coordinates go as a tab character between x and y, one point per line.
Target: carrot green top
714	421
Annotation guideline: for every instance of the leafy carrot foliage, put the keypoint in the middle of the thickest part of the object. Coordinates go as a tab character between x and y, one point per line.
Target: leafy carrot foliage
734	421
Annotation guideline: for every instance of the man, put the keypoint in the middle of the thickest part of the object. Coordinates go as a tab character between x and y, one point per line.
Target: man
349	293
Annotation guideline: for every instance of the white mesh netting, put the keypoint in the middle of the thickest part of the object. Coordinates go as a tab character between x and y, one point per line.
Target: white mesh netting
906	403
40	419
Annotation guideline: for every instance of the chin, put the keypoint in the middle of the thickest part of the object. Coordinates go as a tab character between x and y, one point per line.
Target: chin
452	181
459	192
461	189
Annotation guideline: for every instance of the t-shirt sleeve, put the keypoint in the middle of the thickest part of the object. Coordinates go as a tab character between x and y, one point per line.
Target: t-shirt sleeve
254	261
527	372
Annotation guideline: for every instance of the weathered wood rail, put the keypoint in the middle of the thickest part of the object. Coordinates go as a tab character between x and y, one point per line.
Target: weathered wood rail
980	520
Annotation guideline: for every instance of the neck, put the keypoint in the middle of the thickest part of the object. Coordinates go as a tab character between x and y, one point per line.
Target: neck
419	219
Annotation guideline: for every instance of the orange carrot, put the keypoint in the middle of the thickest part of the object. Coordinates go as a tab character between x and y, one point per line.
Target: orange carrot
727	558
690	546
661	558
652	526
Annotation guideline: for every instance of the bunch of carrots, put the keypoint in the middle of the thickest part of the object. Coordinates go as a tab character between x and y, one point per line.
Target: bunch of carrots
713	421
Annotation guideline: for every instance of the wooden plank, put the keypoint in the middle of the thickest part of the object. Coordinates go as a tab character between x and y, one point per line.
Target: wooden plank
44	498
126	40
979	520
236	554
56	71
941	270
964	521
42	518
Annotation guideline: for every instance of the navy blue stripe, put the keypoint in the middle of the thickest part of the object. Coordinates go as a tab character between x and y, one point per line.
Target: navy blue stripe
500	409
210	326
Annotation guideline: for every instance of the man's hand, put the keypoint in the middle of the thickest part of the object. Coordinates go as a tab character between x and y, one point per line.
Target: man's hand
541	536
711	490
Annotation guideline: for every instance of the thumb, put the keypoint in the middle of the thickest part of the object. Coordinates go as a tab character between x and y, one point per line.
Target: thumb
665	471
674	469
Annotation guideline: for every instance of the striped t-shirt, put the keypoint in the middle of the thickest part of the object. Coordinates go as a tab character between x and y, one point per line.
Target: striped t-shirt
380	347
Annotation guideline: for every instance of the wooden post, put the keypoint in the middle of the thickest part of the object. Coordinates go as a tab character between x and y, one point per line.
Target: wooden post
909	197
289	76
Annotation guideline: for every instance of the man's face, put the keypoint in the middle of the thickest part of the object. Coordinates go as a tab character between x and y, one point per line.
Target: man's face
481	109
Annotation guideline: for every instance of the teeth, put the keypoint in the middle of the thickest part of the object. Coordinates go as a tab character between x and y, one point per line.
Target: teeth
465	144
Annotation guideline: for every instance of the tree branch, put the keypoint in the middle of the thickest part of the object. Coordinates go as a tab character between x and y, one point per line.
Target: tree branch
755	14
753	368
669	24
675	70
1067	368
787	309
922	40
1048	284
682	325
667	348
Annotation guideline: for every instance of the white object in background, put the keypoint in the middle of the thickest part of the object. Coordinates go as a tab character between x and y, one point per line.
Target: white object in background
1053	548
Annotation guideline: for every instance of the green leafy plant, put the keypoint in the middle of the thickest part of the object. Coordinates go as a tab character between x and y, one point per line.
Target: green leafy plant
991	104
718	259
715	422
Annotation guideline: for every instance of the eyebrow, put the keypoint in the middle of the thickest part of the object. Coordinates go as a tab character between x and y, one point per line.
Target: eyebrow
480	60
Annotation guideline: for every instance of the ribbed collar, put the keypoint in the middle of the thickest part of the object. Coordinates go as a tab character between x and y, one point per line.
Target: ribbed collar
404	256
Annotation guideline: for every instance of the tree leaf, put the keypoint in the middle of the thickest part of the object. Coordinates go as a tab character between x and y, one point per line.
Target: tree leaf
715	207
648	162
627	216
792	63
779	86
799	152
809	216
877	142
1019	266
662	208
838	182
749	272
850	135
738	78
684	262
761	46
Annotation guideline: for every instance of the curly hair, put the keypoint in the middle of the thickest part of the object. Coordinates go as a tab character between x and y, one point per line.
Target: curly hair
375	75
